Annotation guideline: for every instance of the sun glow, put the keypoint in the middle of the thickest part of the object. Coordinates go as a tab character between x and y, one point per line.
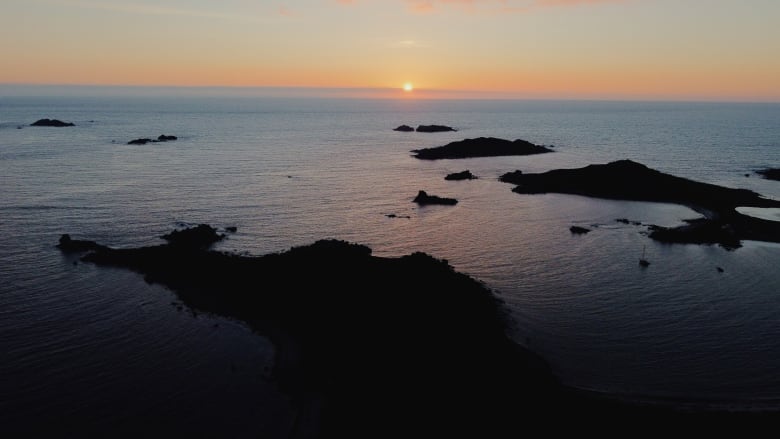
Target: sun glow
408	86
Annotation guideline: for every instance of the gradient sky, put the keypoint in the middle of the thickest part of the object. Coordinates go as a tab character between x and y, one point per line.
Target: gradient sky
602	49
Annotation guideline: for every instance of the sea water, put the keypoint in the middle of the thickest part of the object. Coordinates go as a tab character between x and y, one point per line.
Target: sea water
99	347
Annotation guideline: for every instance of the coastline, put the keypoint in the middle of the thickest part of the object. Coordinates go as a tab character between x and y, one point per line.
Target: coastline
435	350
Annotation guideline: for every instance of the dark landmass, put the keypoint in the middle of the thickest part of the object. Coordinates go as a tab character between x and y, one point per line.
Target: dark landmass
390	347
404	128
770	173
627	180
465	175
423	198
577	230
199	237
480	147
51	123
159	139
434	128
69	245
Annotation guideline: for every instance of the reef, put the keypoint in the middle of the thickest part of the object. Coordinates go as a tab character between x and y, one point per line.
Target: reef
628	180
423	198
480	147
51	123
159	139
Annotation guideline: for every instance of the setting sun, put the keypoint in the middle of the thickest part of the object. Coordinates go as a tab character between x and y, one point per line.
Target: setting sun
408	86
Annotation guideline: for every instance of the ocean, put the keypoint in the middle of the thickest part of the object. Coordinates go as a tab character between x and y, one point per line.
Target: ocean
99	348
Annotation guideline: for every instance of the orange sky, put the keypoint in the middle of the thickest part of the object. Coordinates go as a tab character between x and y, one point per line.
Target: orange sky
592	49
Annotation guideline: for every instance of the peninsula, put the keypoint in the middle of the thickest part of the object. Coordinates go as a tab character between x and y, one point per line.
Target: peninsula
628	180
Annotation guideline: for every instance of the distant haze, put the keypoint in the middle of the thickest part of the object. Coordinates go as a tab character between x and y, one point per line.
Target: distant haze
532	49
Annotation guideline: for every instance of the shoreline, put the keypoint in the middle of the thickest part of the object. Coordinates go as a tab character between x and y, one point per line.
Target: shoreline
426	346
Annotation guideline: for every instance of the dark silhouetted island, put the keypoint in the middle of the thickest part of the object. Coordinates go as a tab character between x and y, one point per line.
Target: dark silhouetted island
404	128
465	175
480	147
159	139
51	123
423	198
369	346
770	173
577	230
434	128
628	180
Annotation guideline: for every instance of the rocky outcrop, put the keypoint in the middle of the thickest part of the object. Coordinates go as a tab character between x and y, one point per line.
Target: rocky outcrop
51	123
770	173
434	128
577	230
404	128
480	147
423	198
464	175
159	139
199	237
627	180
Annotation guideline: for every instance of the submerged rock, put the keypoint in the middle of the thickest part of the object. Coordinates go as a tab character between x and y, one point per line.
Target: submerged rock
423	198
140	141
51	123
465	175
480	147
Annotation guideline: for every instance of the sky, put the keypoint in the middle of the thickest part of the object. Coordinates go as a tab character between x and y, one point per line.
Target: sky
537	49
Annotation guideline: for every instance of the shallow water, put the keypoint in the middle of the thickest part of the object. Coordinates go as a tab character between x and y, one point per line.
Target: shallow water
289	171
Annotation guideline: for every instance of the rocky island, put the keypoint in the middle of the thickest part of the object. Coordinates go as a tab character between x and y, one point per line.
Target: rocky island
51	123
423	198
434	129
464	175
480	147
385	345
628	180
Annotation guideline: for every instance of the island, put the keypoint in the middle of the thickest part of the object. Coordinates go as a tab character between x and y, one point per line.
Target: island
770	173
423	198
51	123
628	180
434	128
480	147
577	230
404	128
464	175
387	345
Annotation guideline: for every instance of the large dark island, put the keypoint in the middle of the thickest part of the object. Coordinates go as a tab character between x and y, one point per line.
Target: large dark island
480	147
383	347
628	180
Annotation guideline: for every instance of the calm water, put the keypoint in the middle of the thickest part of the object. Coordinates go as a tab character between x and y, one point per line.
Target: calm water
100	347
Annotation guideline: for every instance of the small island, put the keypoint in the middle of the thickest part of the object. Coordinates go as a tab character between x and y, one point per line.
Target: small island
480	147
423	198
404	129
577	230
628	180
770	173
434	129
464	175
51	123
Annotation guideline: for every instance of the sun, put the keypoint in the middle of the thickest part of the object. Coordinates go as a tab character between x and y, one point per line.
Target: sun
408	86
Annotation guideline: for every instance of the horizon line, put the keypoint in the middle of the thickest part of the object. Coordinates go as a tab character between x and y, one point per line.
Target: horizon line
324	92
